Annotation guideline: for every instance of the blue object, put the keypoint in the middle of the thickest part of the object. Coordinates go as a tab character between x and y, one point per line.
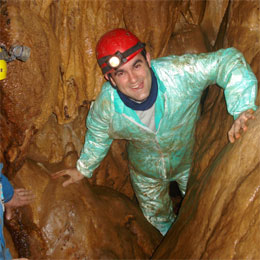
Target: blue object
5	189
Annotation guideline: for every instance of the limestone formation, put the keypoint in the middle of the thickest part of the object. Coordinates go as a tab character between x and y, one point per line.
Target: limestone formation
219	217
81	221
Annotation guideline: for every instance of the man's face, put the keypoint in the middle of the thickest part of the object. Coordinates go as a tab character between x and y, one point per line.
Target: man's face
134	78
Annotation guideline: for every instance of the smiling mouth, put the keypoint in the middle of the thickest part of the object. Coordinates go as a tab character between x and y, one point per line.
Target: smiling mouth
139	86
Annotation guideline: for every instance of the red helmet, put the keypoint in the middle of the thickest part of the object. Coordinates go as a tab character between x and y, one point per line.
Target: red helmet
117	47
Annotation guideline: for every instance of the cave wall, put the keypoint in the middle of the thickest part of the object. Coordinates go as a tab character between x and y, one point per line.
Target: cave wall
219	217
62	37
45	100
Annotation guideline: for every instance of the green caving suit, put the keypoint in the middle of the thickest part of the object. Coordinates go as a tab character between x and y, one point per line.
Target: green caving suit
157	158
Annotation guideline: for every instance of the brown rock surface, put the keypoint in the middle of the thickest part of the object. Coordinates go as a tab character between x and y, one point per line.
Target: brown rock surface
219	217
57	142
29	92
243	28
213	17
78	222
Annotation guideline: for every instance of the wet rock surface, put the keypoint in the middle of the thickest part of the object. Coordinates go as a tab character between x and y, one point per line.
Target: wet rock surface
219	217
81	221
45	100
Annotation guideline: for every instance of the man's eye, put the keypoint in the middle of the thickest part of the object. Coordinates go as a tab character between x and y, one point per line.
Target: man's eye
137	65
119	74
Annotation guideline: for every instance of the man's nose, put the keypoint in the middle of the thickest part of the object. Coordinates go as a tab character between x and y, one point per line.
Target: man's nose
132	77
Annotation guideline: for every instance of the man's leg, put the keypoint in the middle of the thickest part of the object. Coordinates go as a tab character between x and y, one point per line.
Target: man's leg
182	180
154	200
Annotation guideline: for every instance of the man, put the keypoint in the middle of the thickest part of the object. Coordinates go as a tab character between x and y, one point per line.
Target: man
155	105
10	198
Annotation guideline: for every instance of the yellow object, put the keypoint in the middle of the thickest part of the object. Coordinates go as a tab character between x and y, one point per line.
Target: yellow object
3	69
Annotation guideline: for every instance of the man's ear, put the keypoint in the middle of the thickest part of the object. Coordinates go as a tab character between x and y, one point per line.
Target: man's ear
109	78
148	58
112	80
106	77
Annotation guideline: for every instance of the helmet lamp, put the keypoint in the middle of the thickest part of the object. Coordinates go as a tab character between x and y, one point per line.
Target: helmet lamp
114	62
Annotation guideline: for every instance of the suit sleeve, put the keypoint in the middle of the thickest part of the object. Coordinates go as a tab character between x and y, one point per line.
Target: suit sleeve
8	190
97	140
229	69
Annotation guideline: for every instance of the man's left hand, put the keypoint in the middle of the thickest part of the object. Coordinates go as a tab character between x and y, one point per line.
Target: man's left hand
20	198
240	125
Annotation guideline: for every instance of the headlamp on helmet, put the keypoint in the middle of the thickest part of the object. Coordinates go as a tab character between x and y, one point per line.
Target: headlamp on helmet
116	60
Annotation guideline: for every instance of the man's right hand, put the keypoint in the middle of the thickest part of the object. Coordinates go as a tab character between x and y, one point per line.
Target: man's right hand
75	176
